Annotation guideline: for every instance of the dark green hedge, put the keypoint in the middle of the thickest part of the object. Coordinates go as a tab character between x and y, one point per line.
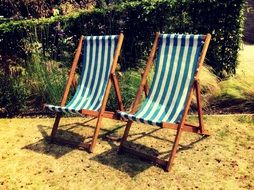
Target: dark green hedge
55	38
139	21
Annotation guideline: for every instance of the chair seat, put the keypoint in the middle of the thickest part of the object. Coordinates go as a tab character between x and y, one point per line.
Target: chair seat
91	94
154	113
72	107
137	118
96	67
61	109
176	66
178	58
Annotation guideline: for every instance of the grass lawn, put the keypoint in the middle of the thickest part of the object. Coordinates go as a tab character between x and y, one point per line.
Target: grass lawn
225	160
236	93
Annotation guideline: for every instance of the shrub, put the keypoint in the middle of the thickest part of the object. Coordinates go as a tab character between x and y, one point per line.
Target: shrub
209	86
139	20
128	92
46	80
19	9
13	94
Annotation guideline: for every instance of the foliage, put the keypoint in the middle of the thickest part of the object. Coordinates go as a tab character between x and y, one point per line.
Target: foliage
139	20
240	87
19	9
128	92
13	94
46	80
41	81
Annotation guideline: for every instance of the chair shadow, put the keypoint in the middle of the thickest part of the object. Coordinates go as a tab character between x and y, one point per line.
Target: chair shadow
45	146
133	165
125	163
182	147
57	149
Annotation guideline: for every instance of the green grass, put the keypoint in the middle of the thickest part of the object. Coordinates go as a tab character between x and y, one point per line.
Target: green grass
240	86
234	94
222	161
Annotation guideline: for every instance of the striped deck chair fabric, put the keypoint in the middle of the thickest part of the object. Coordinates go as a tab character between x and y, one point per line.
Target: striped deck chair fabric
96	66
176	65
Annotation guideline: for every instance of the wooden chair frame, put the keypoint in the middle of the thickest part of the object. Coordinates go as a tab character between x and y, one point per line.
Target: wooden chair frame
99	114
180	127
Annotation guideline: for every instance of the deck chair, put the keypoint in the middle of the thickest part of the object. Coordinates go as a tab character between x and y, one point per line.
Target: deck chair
98	73
176	78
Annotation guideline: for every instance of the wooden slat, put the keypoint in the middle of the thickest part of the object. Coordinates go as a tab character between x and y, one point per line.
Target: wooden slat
200	113
68	85
186	128
146	87
118	93
56	124
144	79
72	72
203	54
179	129
105	98
106	114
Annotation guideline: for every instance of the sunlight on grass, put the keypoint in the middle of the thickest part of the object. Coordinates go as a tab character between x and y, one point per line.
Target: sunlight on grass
209	85
231	95
222	161
241	86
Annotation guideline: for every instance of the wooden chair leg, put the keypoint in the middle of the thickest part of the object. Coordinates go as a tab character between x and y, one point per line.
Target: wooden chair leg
55	126
200	113
96	134
125	135
117	91
146	88
174	149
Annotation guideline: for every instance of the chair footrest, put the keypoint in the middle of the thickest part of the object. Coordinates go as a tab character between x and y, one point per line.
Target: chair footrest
143	156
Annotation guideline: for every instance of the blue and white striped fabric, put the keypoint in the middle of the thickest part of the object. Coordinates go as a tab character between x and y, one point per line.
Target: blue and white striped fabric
176	66
97	62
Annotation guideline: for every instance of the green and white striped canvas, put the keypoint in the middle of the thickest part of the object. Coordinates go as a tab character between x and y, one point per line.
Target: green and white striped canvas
97	62
176	65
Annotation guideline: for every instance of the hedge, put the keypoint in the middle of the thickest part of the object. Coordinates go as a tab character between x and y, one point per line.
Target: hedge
55	38
139	21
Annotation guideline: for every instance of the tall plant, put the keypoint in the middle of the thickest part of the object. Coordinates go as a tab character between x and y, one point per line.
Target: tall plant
46	79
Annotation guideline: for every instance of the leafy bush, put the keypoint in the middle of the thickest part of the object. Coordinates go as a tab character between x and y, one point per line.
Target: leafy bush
45	80
13	94
209	86
240	87
19	9
139	20
129	82
128	92
42	81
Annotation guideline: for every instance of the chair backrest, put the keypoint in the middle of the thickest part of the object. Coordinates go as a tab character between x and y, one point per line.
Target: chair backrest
97	62
176	65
